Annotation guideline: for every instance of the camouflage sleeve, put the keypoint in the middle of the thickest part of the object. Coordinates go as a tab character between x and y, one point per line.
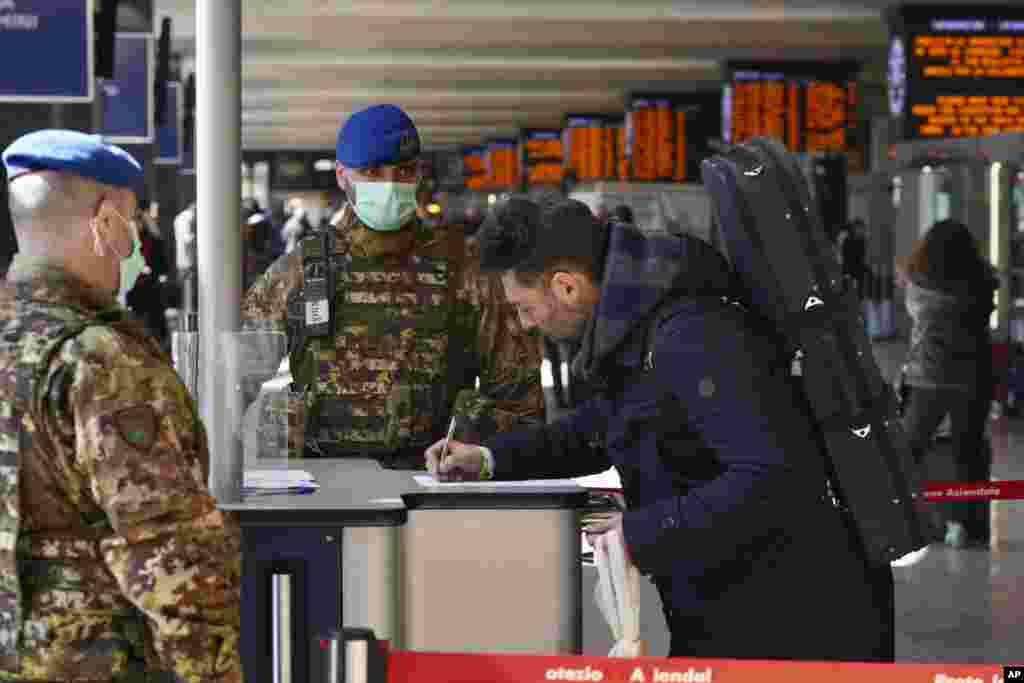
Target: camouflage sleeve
265	305
509	356
174	555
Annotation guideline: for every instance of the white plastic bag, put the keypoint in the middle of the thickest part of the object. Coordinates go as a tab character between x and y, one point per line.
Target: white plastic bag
617	594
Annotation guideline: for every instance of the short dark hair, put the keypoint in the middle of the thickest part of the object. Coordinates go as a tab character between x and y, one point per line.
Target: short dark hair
534	240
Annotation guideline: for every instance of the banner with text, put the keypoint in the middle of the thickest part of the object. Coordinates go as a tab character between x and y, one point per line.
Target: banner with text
47	50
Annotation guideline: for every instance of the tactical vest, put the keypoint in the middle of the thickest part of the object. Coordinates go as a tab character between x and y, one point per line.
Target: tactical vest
28	344
374	354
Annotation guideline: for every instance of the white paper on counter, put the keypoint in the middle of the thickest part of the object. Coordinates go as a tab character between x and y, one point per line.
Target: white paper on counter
428	481
282	479
607	480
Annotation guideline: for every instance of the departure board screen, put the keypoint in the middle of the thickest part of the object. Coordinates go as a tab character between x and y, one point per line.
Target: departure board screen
502	163
666	135
651	138
589	146
541	156
474	168
619	162
809	107
957	71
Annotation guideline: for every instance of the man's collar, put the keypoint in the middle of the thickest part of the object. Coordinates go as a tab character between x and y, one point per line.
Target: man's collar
53	283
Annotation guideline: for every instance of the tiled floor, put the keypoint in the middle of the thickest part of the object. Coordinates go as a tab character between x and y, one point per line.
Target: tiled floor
968	605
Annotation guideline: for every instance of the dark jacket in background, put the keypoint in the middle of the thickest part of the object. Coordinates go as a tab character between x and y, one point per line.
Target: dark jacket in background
950	343
149	297
721	472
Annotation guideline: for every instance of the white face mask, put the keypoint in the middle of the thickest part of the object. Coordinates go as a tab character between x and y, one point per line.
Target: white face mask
385	206
132	265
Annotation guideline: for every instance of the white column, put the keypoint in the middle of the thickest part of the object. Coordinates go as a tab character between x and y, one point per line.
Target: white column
218	192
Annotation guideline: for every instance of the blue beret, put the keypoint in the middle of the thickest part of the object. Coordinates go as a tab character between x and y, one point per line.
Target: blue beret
381	134
73	152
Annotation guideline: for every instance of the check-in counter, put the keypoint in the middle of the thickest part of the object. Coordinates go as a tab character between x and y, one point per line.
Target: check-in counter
456	568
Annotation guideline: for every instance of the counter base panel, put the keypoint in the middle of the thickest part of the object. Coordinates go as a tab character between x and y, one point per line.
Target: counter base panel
492	581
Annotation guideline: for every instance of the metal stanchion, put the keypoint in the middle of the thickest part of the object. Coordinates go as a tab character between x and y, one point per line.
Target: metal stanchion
351	655
281	624
219	239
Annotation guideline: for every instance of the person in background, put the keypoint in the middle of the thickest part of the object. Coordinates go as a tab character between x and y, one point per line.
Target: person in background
472	218
948	369
852	243
257	253
721	469
296	226
116	564
148	299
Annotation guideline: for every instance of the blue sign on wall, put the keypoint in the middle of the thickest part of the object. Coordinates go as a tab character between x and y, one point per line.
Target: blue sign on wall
188	155
46	50
169	138
128	97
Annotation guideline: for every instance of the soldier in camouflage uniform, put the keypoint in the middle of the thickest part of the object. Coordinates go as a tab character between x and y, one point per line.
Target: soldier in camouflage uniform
388	323
117	565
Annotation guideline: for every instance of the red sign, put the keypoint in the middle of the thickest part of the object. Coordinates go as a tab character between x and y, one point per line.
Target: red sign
410	667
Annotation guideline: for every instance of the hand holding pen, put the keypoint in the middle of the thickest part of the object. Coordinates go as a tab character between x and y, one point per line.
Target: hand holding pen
451	460
447	440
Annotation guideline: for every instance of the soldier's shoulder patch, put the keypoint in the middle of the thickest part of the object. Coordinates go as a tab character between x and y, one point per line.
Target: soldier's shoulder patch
137	426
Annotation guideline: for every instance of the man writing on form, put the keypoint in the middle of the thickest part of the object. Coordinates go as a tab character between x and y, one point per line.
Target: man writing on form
724	480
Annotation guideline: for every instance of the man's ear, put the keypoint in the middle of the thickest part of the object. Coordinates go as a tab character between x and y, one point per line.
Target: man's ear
339	176
566	286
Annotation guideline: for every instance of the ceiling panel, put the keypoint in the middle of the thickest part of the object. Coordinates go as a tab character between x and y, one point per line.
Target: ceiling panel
468	69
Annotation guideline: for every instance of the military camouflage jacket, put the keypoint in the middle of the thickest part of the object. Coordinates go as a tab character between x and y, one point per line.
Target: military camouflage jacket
491	342
129	566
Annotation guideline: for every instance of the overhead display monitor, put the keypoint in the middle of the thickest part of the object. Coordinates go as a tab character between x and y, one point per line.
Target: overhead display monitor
473	168
809	106
956	70
502	163
589	146
541	156
667	135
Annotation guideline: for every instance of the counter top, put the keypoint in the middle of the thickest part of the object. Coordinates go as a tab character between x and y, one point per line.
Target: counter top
357	492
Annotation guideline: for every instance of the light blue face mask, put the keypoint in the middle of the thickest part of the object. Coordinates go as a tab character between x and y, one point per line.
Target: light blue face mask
385	207
133	265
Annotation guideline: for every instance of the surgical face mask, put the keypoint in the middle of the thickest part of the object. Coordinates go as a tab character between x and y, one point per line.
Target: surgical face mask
132	265
385	206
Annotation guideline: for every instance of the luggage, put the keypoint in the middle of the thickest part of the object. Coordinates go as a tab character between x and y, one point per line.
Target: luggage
784	260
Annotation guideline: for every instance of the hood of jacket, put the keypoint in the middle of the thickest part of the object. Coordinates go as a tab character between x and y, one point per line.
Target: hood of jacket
641	273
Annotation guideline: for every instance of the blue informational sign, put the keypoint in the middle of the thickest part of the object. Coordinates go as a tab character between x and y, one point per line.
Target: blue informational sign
169	138
46	49
188	156
128	97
